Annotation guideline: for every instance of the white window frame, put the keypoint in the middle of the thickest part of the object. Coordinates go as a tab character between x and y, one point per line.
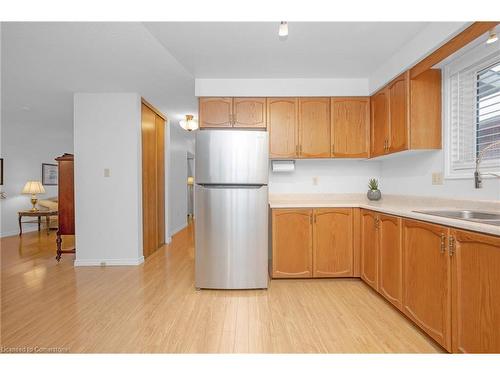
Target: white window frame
480	55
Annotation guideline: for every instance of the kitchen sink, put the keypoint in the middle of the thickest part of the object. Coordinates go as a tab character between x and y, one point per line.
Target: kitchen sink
491	218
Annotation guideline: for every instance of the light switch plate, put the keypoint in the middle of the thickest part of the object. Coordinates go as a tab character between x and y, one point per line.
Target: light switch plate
107	172
315	180
437	178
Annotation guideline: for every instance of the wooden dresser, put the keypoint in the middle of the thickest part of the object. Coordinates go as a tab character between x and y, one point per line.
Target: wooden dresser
66	201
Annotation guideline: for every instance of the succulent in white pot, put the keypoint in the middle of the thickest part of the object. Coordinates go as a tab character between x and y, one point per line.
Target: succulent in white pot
374	193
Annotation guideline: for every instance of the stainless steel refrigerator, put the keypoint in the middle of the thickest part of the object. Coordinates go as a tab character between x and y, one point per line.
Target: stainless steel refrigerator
231	209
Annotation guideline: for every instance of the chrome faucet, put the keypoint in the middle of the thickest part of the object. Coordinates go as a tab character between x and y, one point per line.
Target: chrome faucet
478	180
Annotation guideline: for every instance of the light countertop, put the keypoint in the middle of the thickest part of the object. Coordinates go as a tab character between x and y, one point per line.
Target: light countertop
397	205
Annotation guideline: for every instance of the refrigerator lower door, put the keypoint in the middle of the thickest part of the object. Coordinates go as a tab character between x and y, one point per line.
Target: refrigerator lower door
231	237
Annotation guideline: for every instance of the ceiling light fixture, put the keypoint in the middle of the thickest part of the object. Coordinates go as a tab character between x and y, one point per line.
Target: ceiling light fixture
492	38
283	30
189	123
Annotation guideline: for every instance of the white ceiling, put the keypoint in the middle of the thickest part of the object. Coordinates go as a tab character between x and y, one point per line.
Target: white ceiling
43	64
312	49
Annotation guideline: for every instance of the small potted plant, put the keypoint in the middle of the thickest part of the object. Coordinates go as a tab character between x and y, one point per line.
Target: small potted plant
374	193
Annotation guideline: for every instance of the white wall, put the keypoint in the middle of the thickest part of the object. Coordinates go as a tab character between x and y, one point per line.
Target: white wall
411	174
108	210
26	144
333	176
282	87
180	142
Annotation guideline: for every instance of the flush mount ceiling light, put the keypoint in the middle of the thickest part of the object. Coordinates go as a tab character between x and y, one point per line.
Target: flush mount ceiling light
189	123
492	38
283	30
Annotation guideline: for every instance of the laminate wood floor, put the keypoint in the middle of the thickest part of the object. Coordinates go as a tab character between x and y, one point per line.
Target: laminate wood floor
155	308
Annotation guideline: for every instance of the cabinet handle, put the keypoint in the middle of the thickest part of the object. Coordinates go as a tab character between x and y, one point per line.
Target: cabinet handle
315	218
451	246
443	243
297	150
234	118
333	149
311	219
300	149
377	222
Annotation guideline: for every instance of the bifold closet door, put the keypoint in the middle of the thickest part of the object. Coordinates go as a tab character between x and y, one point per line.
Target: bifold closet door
153	180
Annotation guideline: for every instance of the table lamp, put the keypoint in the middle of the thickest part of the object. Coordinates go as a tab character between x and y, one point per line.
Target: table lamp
33	188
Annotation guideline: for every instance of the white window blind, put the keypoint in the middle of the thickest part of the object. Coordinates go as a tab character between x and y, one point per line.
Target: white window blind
474	115
488	110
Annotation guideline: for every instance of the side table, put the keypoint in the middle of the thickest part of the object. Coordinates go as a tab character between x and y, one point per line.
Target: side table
38	214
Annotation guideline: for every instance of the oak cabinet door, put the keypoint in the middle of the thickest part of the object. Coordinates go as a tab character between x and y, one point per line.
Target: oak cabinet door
215	112
427	279
399	113
350	123
314	127
282	127
292	243
333	242
369	248
379	122
476	293
390	259
249	112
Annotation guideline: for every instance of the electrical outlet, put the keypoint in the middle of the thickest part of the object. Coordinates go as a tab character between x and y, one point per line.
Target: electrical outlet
315	180
437	178
107	172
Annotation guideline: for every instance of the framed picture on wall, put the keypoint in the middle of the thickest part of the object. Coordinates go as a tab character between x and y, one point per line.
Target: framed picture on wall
1	171
49	174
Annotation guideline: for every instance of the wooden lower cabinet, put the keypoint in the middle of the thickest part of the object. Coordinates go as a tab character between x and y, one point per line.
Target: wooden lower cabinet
369	248
476	292
312	243
427	279
292	243
332	242
390	261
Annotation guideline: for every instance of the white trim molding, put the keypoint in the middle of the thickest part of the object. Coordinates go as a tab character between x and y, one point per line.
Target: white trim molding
281	87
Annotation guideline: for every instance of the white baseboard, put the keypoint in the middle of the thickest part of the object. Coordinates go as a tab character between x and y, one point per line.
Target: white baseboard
108	262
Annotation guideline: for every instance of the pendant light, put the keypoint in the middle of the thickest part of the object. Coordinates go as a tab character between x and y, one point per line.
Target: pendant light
189	123
492	38
283	29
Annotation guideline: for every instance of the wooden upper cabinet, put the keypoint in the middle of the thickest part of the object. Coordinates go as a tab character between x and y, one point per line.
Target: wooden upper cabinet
314	127
292	243
406	114
425	110
427	279
215	112
379	122
399	113
476	292
249	112
350	127
390	282
369	248
282	127
333	242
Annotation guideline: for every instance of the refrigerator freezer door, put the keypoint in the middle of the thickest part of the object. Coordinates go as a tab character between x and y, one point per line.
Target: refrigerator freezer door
231	237
232	157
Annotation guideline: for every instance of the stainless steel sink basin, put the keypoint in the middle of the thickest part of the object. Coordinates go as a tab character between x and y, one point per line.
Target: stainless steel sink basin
491	218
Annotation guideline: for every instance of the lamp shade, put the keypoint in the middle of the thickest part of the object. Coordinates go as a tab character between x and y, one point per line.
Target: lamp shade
33	187
189	123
